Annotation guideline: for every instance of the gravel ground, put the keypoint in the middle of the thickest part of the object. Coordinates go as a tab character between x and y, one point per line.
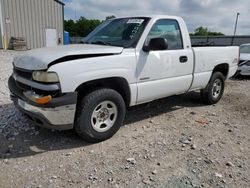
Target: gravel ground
173	142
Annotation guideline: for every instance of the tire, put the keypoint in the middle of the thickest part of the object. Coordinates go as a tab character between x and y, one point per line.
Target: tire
99	115
214	90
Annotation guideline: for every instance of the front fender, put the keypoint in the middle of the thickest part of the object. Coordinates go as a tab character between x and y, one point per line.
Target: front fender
72	82
74	73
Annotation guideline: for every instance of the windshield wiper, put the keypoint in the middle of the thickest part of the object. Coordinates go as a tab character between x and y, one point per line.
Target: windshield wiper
102	43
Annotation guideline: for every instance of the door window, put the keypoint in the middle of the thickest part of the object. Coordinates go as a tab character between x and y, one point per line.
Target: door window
168	29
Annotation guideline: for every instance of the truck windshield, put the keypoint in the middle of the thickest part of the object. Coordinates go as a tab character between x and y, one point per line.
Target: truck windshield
245	49
122	32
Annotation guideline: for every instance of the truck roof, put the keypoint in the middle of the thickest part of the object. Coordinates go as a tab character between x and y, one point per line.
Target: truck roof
153	16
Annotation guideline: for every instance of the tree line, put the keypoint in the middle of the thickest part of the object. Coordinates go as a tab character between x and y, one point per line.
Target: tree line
203	31
83	26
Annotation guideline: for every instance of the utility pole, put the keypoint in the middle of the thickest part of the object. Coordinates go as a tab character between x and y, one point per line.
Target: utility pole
235	28
75	15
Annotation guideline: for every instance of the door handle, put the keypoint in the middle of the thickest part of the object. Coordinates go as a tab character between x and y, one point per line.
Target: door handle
183	59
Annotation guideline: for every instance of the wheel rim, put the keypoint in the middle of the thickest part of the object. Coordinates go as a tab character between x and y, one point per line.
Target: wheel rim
104	116
217	86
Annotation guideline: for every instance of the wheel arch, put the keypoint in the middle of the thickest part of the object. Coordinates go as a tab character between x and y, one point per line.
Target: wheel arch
119	84
222	68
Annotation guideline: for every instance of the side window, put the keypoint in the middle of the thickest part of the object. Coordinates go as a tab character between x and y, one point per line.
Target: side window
168	29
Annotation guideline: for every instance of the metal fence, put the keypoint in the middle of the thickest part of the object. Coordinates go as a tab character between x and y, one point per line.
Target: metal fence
220	40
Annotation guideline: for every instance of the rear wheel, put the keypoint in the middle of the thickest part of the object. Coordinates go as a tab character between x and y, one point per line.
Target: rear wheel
215	89
100	115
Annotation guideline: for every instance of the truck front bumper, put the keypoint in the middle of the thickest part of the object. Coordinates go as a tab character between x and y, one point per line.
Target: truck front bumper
58	114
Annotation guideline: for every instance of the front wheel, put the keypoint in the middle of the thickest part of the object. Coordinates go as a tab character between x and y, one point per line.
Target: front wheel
100	115
215	89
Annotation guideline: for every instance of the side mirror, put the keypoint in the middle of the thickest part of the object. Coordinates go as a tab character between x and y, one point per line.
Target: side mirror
156	44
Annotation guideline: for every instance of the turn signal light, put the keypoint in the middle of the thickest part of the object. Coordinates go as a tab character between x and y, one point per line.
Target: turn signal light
36	98
43	100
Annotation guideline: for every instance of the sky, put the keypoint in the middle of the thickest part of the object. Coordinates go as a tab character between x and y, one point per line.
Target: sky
216	15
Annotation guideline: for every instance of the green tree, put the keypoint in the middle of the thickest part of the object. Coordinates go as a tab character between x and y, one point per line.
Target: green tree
110	17
81	27
70	26
215	34
203	31
85	26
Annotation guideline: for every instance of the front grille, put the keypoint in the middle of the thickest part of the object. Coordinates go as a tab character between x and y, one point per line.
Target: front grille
27	74
23	73
23	87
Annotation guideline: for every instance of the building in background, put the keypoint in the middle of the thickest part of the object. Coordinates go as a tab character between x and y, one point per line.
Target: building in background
38	22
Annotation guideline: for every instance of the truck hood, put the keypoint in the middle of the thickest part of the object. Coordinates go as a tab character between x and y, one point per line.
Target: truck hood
41	59
244	56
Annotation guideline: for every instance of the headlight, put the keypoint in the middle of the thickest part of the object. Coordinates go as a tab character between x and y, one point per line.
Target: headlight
42	76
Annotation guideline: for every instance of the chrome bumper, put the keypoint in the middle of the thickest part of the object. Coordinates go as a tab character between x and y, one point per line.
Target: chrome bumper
55	116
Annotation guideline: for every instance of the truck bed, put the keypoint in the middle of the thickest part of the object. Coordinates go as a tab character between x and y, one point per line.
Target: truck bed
206	58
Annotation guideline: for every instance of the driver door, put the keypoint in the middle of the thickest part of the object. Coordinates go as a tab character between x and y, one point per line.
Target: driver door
162	73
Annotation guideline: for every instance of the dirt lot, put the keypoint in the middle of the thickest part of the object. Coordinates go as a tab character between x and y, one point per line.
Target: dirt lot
173	142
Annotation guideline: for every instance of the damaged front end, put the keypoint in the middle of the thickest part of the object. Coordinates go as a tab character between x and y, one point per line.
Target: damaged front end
38	95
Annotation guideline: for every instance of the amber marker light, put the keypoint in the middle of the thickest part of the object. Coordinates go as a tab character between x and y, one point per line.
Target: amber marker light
43	100
38	99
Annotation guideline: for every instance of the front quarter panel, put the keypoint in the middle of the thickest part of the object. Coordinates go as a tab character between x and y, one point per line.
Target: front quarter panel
74	73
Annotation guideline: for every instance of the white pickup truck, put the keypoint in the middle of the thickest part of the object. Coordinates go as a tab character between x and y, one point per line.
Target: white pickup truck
123	62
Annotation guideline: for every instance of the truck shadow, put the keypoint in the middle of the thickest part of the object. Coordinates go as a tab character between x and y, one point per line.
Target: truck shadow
240	77
162	106
18	138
